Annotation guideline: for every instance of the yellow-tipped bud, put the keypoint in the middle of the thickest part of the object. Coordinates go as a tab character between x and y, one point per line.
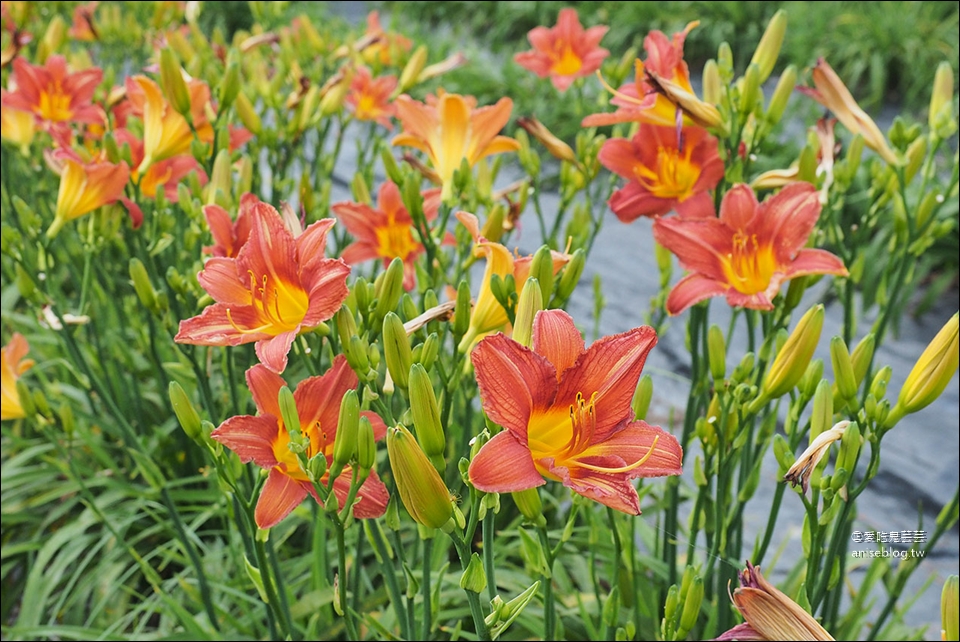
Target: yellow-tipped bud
221	179
781	95
949	600
413	68
248	114
348	429
426	417
185	412
229	87
554	145
843	368
793	358
712	85
142	285
941	102
931	373
765	57
52	39
172	82
717	353
527	307
422	491
396	349
366	446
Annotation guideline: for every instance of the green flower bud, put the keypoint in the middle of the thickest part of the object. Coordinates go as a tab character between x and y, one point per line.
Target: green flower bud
781	95
27	399
765	57
529	503
142	285
422	491
931	373
712	86
348	427
793	358
849	448
843	368
172	82
750	89
391	289
366	446
248	114
822	417
811	378
878	387
473	578
411	71
185	412
229	87
541	269
717	353
527	308
396	349
691	606
288	412
426	417
571	275
461	314
642	397
949	601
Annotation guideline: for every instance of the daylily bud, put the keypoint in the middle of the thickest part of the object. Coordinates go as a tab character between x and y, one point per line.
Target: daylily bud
811	378
554	145
308	109
422	491
348	427
390	165
229	87
949	601
642	397
529	503
528	306
426	417
333	99
571	275
541	268
449	63
346	325
691	607
793	358
611	607
717	353
179	43
849	448
781	95
288	412
493	226
142	285
248	114
473	578
431	350
750	89
765	57
843	368
317	467
878	387
172	83
220	180
366	446
941	119
52	39
931	373
411	72
185	412
822	416
712	87
461	314
396	349
359	189
702	113
391	289
861	357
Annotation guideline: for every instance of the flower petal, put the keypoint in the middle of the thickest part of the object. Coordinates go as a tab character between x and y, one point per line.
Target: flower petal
738	207
701	245
614	491
504	465
280	495
312	244
265	385
250	437
222	325
326	286
638	441
220	279
811	261
372	498
692	289
318	398
273	352
556	337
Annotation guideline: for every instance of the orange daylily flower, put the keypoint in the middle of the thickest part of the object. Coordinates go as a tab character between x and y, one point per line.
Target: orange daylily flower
276	287
749	251
165	132
263	439
229	235
167	173
369	98
54	96
488	315
450	128
16	126
663	174
769	613
640	100
386	232
565	52
82	28
566	414
12	366
833	94
386	47
85	187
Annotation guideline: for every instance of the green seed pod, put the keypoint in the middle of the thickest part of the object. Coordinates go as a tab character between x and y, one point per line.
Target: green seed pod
473	578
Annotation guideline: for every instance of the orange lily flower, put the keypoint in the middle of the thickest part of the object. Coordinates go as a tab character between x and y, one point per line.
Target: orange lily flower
386	46
749	251
640	100
263	439
450	128
229	235
12	366
167	173
663	175
85	187
386	232
565	52
369	98
82	28
566	414
769	613
276	287
488	315
54	96
833	94
165	132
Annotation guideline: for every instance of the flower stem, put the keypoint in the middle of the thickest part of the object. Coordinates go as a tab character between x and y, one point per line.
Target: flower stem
425	587
488	563
549	607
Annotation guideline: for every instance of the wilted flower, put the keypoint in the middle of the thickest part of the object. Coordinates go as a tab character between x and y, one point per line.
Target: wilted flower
664	172
565	52
769	613
12	366
801	470
749	251
277	287
566	414
450	128
265	440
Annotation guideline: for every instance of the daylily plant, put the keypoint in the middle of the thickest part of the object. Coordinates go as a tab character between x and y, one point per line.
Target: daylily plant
566	414
12	365
749	251
369	98
263	439
565	52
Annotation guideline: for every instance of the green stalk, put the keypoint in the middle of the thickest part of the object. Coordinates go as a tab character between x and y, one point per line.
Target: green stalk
463	551
425	587
390	578
489	567
342	573
549	606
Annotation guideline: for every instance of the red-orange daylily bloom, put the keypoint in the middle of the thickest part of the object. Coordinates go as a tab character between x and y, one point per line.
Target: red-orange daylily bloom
450	128
566	414
54	96
369	97
85	187
664	173
229	235
276	287
386	46
166	133
749	251
640	100
12	365
263	439
565	52
488	314
387	231
82	28
166	173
